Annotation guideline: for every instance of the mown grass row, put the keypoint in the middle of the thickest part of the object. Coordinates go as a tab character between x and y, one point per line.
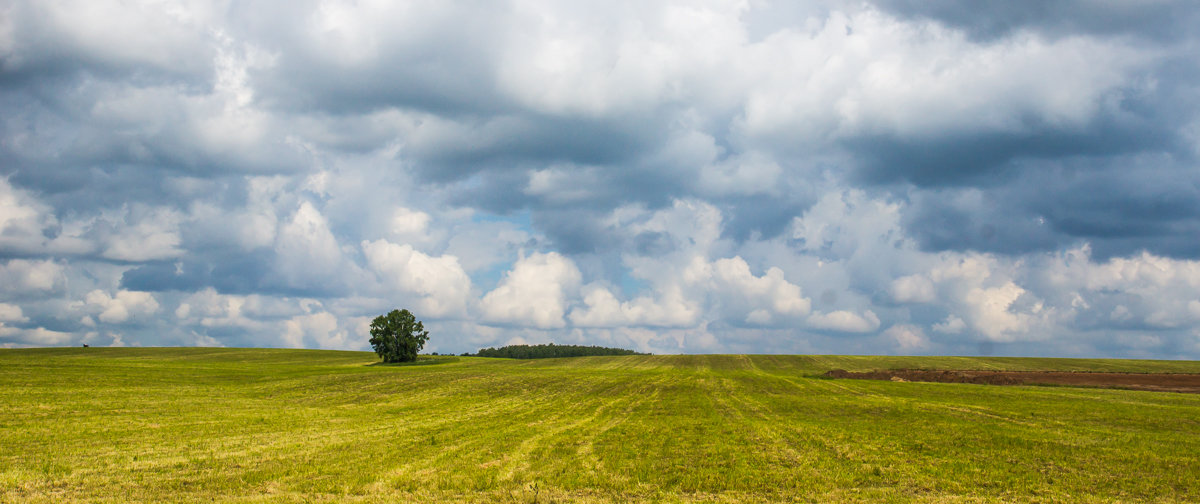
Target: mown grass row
250	425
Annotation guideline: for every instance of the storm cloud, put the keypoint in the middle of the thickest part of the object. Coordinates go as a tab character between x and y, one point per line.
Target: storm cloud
706	176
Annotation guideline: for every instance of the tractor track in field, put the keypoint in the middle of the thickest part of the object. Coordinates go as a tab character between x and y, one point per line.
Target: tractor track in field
1155	382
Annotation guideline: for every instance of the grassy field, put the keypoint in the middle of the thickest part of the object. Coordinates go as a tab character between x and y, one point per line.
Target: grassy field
253	425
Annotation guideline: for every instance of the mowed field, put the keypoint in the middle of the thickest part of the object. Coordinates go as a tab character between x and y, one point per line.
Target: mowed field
257	425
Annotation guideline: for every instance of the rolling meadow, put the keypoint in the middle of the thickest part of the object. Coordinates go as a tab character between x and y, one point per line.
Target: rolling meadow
262	425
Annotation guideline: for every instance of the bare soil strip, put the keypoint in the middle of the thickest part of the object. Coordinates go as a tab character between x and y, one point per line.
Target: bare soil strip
1158	382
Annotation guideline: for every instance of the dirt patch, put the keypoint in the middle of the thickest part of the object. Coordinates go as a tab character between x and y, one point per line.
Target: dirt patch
1159	382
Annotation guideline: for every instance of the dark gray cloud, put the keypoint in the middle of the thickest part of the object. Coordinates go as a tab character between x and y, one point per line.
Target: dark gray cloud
1155	20
758	217
228	273
516	142
972	220
983	160
1120	205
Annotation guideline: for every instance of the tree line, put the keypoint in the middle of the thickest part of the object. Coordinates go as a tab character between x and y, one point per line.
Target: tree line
549	350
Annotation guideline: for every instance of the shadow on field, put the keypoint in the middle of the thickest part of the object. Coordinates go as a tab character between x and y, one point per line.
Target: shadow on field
422	360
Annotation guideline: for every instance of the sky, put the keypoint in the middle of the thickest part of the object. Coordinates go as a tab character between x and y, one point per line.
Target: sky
836	177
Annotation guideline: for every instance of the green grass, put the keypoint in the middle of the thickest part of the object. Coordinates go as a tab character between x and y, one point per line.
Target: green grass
254	425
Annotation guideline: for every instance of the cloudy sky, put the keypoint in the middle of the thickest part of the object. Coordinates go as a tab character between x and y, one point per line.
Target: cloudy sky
755	176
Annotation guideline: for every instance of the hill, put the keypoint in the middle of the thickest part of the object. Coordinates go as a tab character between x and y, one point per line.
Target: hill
255	425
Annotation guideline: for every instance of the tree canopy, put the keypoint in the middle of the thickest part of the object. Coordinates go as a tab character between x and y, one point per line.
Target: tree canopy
550	350
398	336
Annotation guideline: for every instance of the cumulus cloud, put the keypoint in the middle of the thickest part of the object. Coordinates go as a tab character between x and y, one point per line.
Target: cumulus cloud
307	255
18	216
952	325
891	78
154	236
12	337
1146	290
764	297
685	287
27	225
444	288
990	311
845	321
535	292
28	279
907	338
214	319
121	306
668	307
211	309
11	313
912	289
318	330
409	222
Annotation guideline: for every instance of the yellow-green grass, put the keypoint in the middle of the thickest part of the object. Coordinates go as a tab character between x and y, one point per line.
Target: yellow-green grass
257	425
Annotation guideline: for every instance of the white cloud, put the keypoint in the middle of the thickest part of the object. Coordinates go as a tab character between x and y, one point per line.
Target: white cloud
685	288
952	325
563	184
317	329
865	73
40	336
603	310
756	298
982	294
251	227
11	313
308	253
267	321
26	278
257	226
154	236
667	308
408	222
444	288
679	280
1144	289
534	293
625	58
1143	273
912	289
989	311
850	226
18	215
845	321
119	308
25	222
211	309
907	338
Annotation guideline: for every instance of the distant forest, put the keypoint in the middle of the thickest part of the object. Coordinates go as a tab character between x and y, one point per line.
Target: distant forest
548	351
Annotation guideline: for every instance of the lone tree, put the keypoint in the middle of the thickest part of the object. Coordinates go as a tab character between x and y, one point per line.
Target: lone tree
398	336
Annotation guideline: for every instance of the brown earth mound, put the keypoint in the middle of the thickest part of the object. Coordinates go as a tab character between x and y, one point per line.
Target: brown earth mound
1161	382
